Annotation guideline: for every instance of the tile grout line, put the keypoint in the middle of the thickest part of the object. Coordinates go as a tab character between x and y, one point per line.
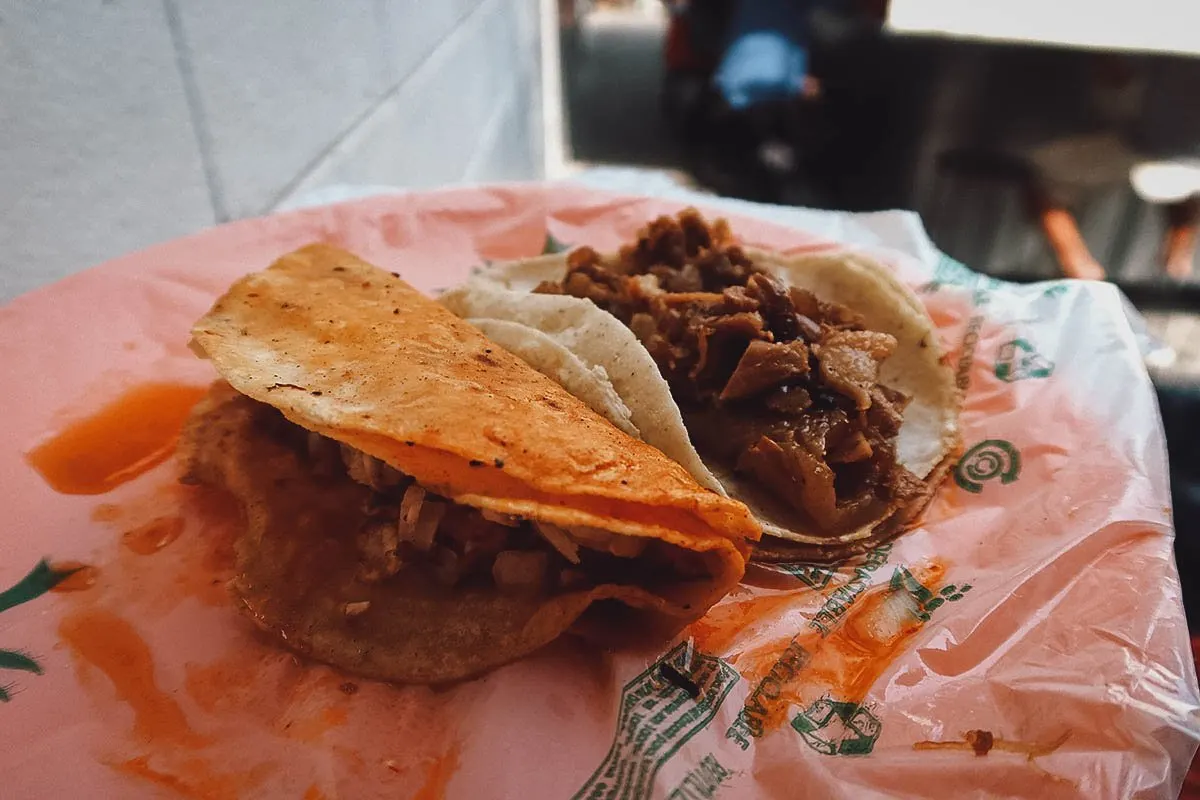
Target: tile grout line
315	163
191	93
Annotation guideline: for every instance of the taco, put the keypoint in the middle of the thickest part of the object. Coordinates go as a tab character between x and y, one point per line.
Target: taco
812	388
419	504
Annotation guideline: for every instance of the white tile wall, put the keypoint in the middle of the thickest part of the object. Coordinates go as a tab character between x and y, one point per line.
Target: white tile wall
126	123
432	127
278	82
97	153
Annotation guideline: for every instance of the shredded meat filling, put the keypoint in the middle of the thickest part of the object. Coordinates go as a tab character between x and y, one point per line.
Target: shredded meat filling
773	381
410	527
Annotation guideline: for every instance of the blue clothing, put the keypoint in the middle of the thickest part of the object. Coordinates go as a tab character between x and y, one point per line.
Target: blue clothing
767	56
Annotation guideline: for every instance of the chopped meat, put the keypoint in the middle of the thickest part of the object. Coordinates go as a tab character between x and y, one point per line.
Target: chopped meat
378	543
685	279
644	286
766	365
323	453
447	566
887	410
772	380
850	362
410	528
744	324
520	570
369	471
791	470
777	307
476	540
569	579
852	448
643	327
788	400
737	299
721	342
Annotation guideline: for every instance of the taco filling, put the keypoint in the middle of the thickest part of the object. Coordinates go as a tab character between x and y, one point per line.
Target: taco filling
773	383
408	529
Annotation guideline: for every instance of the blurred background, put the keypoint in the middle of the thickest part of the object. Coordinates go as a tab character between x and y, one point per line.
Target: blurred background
1036	139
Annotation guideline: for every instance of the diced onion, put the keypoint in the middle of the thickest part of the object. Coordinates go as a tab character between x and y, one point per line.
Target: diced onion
596	539
507	520
559	540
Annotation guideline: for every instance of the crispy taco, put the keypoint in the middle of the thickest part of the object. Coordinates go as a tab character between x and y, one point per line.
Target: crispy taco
419	504
811	388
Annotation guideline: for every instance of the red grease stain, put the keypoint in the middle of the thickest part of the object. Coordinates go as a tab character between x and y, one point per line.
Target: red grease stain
195	779
314	793
718	629
202	523
438	774
82	577
106	641
153	536
846	663
122	440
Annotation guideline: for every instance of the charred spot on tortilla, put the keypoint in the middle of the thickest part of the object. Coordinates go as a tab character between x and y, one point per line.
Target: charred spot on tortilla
372	539
811	388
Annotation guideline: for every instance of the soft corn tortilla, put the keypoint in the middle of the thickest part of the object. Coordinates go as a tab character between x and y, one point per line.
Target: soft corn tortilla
349	351
929	437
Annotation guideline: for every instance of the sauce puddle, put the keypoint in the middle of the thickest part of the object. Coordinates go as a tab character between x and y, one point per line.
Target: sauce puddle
108	642
82	577
122	440
153	536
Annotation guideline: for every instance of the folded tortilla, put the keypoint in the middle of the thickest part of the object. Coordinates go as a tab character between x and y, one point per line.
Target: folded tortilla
420	504
928	439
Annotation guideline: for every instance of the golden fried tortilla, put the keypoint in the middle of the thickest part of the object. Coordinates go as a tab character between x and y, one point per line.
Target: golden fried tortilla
355	354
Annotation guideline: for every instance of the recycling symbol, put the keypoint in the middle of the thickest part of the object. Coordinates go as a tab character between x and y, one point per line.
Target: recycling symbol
1018	360
988	460
836	728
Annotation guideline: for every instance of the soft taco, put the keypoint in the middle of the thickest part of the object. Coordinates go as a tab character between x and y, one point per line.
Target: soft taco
811	388
419	504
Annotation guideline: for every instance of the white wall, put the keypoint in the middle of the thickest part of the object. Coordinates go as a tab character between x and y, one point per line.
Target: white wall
128	122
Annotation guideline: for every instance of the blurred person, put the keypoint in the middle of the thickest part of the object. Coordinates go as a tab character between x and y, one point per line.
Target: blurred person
742	89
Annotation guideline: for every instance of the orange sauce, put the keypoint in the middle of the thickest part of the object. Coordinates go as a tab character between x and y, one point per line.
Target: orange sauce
718	629
122	440
846	663
314	793
438	774
194	778
310	729
106	512
153	536
106	641
83	577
